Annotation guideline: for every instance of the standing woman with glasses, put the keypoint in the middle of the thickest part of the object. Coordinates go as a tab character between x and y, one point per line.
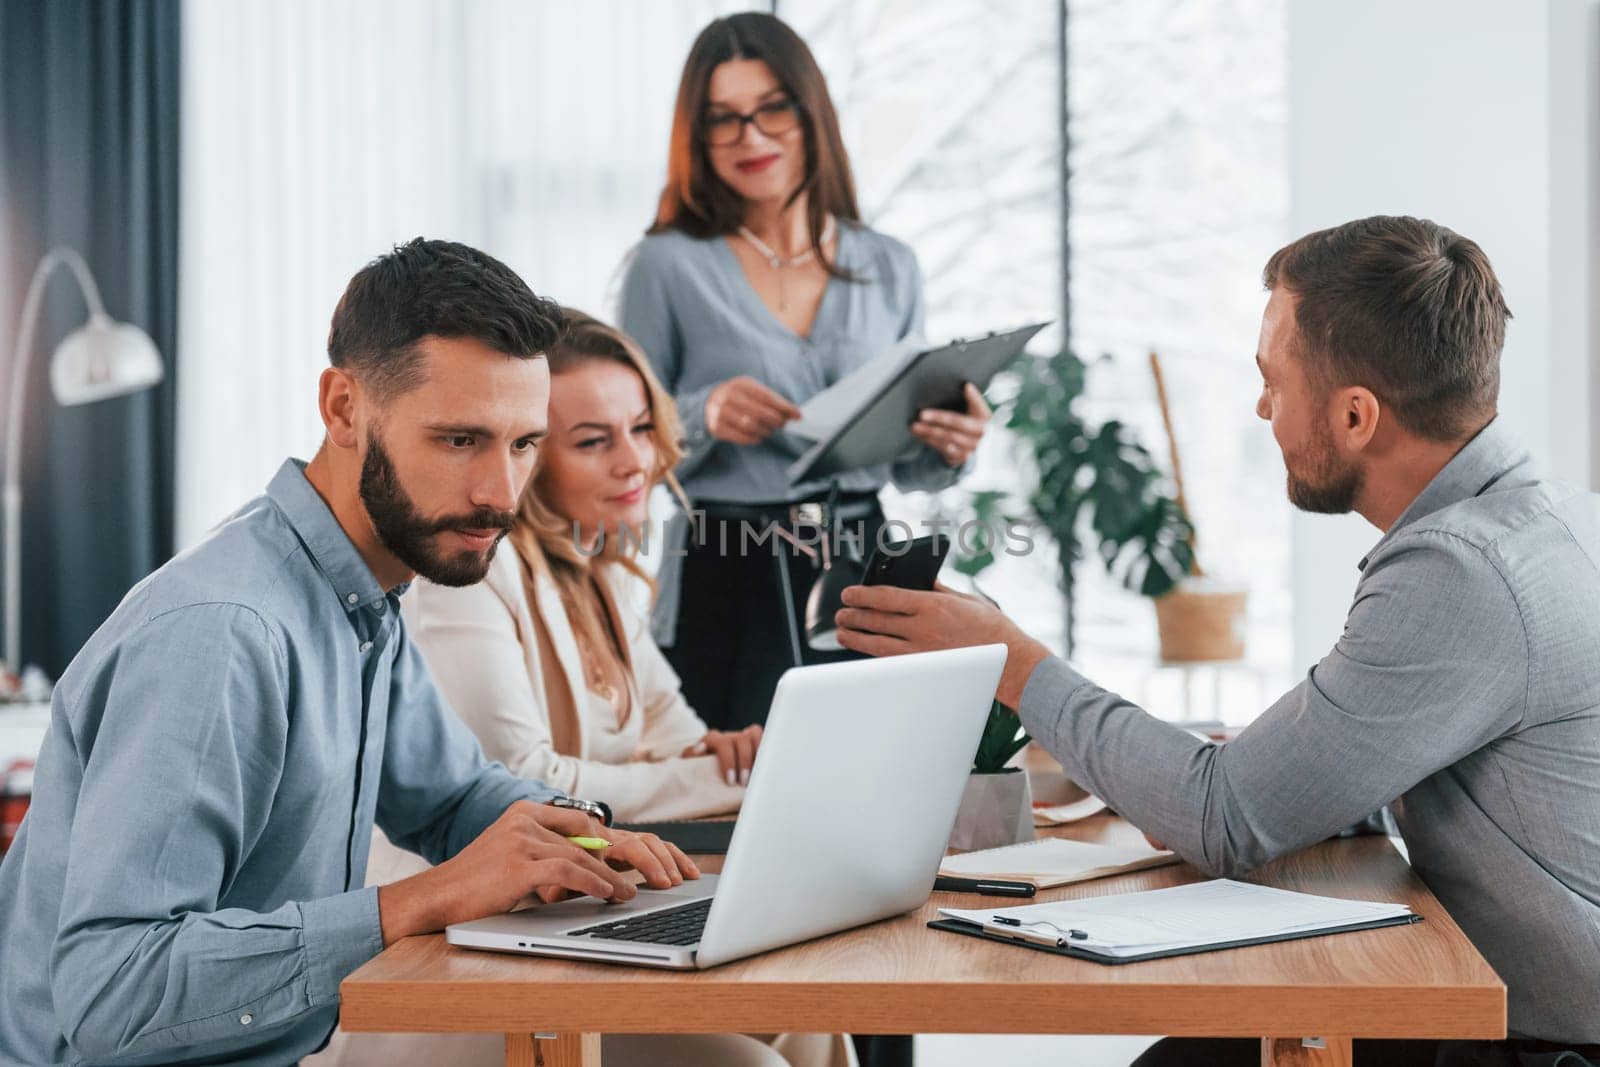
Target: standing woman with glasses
757	287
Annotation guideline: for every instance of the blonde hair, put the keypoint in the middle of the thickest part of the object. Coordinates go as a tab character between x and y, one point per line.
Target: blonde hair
543	537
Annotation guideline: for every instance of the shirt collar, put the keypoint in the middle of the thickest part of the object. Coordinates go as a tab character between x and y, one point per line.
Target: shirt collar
330	547
1481	462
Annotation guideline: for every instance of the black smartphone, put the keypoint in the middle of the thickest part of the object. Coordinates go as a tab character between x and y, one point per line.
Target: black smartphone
908	564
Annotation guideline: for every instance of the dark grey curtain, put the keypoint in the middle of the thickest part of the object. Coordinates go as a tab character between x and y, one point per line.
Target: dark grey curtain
89	158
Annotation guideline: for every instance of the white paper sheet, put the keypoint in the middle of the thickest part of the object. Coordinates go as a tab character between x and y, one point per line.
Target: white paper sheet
834	406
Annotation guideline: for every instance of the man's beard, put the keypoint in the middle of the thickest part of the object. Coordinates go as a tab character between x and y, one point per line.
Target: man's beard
405	532
1329	487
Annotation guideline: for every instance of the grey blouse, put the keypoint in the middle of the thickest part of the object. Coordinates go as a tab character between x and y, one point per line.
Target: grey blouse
687	302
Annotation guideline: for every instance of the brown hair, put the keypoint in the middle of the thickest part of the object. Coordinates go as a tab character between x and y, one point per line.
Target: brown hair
434	288
544	538
1404	307
701	204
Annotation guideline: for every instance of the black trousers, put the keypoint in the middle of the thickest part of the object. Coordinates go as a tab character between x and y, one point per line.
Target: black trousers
732	642
1246	1052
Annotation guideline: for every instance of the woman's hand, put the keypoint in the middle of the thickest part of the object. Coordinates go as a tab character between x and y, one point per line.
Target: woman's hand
742	411
954	435
735	752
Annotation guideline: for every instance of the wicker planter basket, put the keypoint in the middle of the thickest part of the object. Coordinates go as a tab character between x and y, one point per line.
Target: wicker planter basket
1202	621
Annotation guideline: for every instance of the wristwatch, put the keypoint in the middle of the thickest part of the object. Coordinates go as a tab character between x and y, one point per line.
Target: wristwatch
597	808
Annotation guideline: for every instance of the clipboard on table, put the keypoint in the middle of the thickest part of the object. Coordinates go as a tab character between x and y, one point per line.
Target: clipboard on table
876	428
1067	948
1176	921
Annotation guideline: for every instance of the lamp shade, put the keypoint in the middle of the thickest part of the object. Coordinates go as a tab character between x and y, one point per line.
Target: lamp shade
103	358
826	599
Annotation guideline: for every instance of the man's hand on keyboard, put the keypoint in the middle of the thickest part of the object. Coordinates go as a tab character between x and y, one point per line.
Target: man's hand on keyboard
523	853
662	863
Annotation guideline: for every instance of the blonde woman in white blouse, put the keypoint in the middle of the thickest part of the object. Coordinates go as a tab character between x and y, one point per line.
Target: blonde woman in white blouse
550	661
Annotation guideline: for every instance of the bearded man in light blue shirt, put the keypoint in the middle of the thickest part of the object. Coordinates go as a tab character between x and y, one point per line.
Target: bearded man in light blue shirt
188	883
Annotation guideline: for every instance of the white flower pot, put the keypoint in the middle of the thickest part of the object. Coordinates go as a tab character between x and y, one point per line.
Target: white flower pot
996	809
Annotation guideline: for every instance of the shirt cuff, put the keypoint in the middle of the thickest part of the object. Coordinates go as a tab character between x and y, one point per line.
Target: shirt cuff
341	933
692	416
539	793
1049	689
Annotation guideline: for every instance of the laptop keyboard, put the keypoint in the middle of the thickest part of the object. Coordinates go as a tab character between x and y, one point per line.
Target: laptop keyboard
672	926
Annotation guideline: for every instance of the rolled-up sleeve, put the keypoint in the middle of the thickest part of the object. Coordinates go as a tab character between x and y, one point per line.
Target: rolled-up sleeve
439	792
1431	667
179	774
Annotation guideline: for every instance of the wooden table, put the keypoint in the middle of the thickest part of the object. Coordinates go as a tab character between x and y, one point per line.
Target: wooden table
897	977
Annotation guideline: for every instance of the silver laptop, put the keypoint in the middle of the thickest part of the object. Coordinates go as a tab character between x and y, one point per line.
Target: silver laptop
845	822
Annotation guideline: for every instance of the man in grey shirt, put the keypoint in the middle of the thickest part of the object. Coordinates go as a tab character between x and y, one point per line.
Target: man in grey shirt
188	883
1465	691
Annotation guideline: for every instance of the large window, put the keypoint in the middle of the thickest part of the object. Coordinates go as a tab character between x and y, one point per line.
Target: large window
317	135
320	134
1177	194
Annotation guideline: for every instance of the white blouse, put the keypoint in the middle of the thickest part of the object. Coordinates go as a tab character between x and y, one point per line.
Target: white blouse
509	665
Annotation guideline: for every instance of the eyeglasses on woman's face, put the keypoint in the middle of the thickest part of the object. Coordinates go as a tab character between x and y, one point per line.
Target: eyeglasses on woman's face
774	118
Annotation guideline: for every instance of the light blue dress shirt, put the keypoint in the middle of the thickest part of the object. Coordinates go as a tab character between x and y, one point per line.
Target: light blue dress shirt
187	885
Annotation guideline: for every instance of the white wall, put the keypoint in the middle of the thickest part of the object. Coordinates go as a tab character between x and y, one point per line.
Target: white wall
317	135
1478	114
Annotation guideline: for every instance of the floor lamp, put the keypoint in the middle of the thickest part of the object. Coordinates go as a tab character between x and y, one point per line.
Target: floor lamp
102	358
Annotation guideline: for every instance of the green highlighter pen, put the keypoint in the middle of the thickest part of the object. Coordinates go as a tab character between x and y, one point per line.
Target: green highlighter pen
592	844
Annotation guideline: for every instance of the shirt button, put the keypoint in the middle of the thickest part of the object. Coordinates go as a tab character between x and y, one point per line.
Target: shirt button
246	1019
366	646
352	598
380	606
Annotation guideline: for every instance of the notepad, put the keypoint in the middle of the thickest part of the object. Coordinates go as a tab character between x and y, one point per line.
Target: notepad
1056	814
1051	861
1127	927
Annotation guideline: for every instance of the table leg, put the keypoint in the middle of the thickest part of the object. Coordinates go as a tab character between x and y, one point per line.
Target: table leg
1311	1052
552	1050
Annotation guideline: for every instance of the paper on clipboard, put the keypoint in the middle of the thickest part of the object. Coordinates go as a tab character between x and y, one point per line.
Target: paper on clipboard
828	410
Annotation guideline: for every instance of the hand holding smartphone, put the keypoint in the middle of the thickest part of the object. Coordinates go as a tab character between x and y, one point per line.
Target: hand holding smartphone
911	564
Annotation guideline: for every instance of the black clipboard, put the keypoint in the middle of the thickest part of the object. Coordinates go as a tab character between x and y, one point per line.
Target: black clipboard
880	429
1066	948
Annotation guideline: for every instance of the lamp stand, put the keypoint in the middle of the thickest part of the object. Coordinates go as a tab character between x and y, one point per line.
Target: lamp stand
22	357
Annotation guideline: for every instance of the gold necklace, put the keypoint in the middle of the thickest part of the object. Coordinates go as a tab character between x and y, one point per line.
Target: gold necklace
780	264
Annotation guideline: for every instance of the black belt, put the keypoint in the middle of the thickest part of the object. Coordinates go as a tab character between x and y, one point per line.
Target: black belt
848	508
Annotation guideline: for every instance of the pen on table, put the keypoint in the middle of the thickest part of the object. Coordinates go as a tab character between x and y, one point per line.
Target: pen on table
589	844
987	886
1007	920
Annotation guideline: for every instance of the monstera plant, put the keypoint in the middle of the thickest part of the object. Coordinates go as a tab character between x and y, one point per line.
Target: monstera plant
1096	490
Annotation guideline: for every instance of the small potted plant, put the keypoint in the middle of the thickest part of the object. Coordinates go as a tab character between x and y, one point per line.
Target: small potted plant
997	806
